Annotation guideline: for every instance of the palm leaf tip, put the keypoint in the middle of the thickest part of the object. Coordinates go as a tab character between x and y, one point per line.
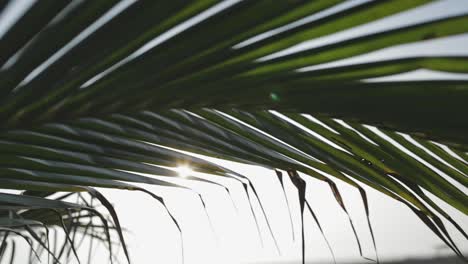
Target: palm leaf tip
113	94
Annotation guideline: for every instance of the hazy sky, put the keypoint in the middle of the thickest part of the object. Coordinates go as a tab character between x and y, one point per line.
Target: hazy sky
399	234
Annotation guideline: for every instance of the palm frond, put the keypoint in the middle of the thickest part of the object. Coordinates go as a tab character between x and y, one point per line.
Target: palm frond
108	94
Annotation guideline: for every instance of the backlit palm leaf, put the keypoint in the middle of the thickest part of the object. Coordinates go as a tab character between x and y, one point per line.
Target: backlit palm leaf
93	93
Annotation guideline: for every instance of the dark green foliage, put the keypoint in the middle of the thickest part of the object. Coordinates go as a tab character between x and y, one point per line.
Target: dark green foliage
100	108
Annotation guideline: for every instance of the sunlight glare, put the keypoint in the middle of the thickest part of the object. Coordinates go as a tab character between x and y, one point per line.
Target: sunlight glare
184	170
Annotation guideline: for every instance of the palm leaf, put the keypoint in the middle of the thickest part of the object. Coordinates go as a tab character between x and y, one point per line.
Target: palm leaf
107	94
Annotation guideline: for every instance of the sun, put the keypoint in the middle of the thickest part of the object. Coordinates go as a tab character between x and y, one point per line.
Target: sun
184	171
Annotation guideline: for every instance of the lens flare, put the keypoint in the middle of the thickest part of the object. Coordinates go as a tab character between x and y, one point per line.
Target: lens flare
184	171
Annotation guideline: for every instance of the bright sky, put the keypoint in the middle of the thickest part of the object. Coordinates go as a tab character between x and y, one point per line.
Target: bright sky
399	233
153	238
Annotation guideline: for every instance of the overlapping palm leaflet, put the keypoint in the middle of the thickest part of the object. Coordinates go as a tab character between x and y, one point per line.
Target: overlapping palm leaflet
91	91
